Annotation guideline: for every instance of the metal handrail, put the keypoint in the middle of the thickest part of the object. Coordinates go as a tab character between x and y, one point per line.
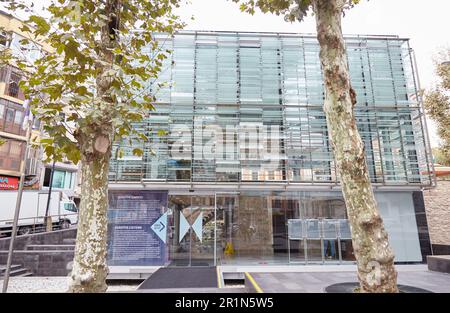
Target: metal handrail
37	217
37	224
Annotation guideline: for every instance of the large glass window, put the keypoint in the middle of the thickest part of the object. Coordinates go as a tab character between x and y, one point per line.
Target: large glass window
11	154
61	179
30	50
242	107
270	228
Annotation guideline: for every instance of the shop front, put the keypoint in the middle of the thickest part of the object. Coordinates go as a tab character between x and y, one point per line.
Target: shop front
9	182
250	228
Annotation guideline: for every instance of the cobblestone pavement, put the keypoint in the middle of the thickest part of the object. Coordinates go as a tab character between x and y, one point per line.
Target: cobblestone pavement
315	282
51	284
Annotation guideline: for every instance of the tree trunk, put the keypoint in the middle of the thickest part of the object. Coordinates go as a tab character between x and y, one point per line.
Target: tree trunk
89	266
90	270
374	256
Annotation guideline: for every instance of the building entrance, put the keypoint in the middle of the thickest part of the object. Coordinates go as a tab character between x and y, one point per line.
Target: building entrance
192	223
256	229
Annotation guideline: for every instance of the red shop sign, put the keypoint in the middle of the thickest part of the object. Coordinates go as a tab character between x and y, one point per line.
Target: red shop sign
9	183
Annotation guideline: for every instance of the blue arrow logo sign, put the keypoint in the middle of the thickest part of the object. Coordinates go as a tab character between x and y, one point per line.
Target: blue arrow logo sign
184	226
160	227
197	226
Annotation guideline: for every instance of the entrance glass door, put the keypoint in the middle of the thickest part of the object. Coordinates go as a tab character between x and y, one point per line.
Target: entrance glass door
202	233
226	208
192	222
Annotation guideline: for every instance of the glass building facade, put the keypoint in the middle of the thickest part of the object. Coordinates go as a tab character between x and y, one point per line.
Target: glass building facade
239	138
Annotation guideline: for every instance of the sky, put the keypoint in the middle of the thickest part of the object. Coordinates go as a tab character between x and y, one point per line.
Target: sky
426	23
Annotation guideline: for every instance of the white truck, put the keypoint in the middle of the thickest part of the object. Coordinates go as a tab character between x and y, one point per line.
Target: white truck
62	211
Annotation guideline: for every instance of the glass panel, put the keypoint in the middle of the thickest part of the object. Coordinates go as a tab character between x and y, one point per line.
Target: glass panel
330	250
9	115
68	180
347	253
226	207
202	219
192	223
179	243
312	229
18	118
240	107
297	251
58	179
314	250
295	229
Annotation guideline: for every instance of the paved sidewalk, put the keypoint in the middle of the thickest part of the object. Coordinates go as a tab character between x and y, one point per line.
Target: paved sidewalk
193	290
315	282
52	285
60	285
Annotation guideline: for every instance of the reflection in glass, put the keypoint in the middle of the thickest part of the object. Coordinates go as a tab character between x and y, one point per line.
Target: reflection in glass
252	228
179	250
347	250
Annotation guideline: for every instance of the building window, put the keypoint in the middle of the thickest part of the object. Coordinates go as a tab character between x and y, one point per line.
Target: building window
13	87
4	148
15	149
10	115
2	110
18	118
36	124
61	179
3	73
4	39
29	50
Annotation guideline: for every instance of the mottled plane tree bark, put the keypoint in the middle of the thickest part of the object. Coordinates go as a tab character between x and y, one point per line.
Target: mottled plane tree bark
374	256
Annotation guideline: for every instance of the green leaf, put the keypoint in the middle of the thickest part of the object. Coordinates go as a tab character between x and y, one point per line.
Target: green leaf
162	133
138	152
42	27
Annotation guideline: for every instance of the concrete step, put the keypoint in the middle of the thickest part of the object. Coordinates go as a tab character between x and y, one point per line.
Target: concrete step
26	274
51	247
19	272
13	267
16	271
439	263
69	241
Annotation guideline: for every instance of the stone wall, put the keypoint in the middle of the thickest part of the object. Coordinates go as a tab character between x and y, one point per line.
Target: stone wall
42	263
47	238
44	254
437	205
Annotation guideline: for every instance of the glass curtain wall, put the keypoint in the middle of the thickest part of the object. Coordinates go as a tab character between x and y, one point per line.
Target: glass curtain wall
247	107
254	228
279	228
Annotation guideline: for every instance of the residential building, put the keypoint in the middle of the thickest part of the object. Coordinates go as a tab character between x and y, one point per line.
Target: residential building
15	117
13	112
